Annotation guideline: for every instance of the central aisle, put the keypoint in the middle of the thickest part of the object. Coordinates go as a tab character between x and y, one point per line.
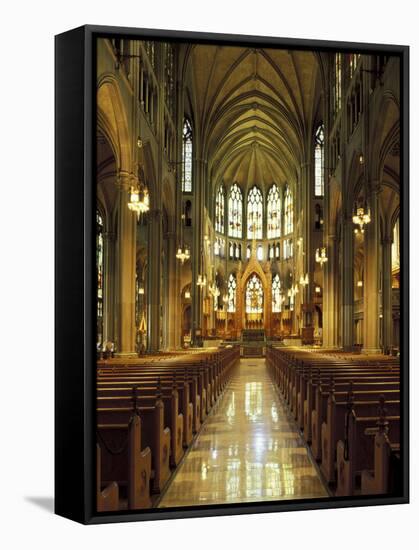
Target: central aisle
248	449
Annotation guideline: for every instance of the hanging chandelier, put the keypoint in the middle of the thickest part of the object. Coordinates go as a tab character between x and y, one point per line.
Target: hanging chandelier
361	217
213	290
139	199
304	280
183	254
201	281
321	256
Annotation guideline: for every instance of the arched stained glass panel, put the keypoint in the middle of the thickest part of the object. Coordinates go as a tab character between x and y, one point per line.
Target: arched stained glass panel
254	295
319	162
289	211
254	213
235	209
232	284
219	210
274	212
276	294
187	157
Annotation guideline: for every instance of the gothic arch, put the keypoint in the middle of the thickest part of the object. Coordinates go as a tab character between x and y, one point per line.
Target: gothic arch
113	121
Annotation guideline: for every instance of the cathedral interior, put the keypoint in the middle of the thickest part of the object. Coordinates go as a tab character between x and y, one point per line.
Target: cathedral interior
247	217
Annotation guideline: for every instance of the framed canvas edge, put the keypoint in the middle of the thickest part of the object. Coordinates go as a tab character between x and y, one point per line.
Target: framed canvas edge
87	514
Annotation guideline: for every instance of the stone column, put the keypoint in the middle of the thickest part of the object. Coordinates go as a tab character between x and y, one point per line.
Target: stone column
154	278
371	280
329	295
387	295
197	292
174	306
125	261
347	284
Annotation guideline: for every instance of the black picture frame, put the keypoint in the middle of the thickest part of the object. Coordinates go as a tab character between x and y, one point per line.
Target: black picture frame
75	354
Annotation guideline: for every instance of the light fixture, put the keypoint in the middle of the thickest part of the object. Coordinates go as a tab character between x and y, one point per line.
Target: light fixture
321	256
317	290
214	290
202	280
361	158
139	199
141	289
187	294
304	280
225	298
362	216
360	284
183	254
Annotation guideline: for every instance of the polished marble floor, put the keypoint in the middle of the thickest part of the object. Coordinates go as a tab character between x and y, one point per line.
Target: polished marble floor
248	449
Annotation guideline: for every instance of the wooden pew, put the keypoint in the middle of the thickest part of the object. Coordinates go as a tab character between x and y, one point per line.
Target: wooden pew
334	428
125	461
115	397
357	455
107	499
153	434
317	409
185	405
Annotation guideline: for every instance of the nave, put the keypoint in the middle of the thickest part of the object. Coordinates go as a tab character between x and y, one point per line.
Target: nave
247	450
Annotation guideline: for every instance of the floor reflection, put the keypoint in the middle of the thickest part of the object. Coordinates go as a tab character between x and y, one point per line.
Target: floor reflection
247	450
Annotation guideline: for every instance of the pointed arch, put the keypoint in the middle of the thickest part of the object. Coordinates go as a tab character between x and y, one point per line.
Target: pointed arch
254	213
273	212
235	212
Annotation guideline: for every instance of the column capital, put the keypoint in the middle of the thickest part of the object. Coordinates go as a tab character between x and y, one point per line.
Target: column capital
125	180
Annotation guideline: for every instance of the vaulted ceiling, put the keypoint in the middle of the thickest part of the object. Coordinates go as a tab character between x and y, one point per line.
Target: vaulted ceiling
253	110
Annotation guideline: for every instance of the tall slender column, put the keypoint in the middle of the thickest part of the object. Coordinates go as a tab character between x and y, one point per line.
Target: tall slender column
371	280
126	251
387	295
173	292
329	295
154	277
307	247
348	284
197	252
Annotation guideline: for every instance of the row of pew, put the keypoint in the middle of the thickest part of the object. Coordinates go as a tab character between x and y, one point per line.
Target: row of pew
147	413
347	407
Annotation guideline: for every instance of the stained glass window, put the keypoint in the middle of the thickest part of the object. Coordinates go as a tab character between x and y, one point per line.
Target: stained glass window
254	213
254	295
289	211
337	98
353	63
288	249
187	157
150	49
319	162
169	84
232	284
248	252
274	212
219	210
235	209
99	271
259	252
276	294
